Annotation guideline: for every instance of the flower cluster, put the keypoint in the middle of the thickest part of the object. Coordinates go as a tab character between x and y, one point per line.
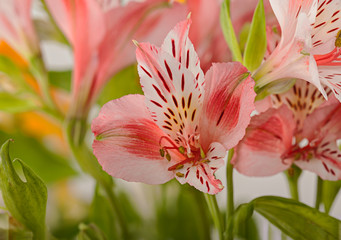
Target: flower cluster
186	121
181	88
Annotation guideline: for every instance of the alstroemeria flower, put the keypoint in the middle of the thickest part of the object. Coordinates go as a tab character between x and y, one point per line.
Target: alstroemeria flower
184	124
16	27
303	131
309	46
100	33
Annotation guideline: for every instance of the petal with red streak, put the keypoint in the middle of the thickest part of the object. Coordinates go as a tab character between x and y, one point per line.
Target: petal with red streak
228	103
127	142
268	137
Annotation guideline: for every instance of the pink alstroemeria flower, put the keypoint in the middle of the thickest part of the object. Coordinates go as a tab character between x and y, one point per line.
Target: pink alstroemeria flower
303	131
100	33
16	27
184	124
309	46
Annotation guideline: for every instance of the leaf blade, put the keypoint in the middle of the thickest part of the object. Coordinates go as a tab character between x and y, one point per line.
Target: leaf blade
256	42
228	31
309	222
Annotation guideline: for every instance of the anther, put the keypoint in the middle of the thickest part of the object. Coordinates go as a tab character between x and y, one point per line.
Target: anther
162	152
181	149
168	157
179	174
179	166
338	39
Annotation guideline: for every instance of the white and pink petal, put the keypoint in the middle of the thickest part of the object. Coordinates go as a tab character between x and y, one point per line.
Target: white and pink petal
326	26
180	47
201	174
173	95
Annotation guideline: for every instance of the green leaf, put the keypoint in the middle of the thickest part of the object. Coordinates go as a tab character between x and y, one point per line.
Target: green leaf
296	219
61	79
184	216
244	225
98	214
243	36
329	193
47	165
123	83
256	41
90	232
14	104
228	31
26	200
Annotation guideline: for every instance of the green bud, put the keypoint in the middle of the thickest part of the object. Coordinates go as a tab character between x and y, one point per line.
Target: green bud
90	232
26	200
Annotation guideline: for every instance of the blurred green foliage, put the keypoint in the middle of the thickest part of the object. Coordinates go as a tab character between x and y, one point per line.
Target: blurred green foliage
123	83
50	166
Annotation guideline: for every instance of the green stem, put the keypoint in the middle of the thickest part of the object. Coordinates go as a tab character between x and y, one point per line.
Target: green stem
215	213
319	189
60	34
294	190
38	70
230	197
293	175
75	130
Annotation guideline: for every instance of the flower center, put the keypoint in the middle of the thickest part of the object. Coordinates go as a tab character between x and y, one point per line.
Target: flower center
304	153
191	151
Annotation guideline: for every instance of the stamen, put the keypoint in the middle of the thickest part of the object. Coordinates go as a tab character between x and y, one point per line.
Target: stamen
181	149
179	166
162	152
182	163
168	140
179	174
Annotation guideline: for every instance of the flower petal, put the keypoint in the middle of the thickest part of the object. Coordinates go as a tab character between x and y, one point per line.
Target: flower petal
201	175
302	99
288	12
267	138
178	45
331	77
16	27
323	127
326	26
228	103
173	95
127	142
